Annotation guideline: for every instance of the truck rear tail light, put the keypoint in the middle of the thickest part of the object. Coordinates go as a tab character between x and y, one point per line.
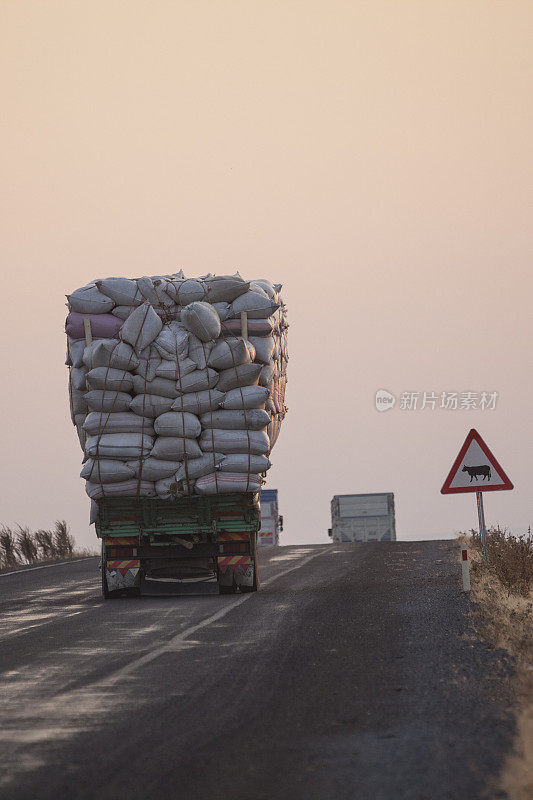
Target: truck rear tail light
121	552
228	548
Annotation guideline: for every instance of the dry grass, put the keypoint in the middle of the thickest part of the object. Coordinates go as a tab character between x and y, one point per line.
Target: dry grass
21	547
502	588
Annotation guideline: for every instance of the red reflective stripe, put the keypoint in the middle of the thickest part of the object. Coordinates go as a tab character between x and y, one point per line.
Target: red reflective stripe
124	540
234	561
230	536
464	554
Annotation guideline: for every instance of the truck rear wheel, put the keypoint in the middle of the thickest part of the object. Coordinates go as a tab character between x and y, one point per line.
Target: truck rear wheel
227	589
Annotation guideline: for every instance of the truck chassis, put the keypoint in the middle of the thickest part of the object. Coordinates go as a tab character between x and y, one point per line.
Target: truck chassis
193	545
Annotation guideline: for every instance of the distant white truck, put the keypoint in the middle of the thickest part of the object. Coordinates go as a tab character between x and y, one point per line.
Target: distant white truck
363	518
271	521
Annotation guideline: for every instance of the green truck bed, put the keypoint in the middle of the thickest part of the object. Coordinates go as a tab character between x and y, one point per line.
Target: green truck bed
198	544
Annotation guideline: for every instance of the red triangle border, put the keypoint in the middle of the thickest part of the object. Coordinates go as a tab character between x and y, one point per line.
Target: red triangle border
474	435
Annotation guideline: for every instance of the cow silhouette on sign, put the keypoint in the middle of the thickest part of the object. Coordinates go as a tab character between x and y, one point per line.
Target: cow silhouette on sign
475	471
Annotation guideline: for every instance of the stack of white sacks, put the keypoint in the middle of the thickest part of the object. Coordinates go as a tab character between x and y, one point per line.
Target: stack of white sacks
176	385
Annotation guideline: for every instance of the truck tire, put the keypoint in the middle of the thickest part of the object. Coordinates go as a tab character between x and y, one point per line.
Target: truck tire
227	589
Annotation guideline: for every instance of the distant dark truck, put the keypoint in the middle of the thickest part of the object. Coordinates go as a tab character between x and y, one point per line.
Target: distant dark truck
198	544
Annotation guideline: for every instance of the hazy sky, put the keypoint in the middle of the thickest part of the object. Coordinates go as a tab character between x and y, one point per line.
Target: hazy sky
374	157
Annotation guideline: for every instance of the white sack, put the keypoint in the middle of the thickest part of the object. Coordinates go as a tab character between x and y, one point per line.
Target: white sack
175	448
154	292
222	482
173	370
264	348
150	405
202	320
173	341
196	467
118	445
159	386
178	423
82	436
225	288
99	400
110	353
257	288
222	309
131	488
221	441
153	469
272	289
123	312
116	380
149	361
79	420
123	291
88	300
117	422
198	381
230	352
168	489
75	349
270	405
252	420
141	327
78	377
103	470
245	397
188	291
244	375
199	351
244	462
256	306
198	402
267	375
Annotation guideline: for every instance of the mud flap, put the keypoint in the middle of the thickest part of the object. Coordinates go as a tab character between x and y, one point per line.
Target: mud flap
244	575
241	574
225	577
123	579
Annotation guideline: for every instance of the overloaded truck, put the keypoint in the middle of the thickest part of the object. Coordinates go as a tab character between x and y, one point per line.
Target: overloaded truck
177	392
271	520
363	518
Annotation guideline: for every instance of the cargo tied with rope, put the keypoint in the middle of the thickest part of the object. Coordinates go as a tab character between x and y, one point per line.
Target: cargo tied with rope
177	385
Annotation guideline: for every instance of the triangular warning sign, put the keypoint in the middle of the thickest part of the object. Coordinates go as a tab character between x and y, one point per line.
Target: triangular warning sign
475	469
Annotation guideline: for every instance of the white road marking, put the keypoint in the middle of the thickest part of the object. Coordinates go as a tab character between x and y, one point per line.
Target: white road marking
178	641
46	566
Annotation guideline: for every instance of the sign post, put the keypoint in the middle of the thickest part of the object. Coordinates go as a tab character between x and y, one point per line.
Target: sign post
481	521
476	470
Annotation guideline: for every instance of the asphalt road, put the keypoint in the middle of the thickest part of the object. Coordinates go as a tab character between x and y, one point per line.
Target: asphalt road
354	673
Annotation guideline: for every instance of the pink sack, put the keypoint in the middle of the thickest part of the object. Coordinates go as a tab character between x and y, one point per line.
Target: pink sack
103	326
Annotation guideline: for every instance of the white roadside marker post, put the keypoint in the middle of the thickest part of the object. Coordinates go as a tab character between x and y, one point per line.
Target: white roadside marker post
465	565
